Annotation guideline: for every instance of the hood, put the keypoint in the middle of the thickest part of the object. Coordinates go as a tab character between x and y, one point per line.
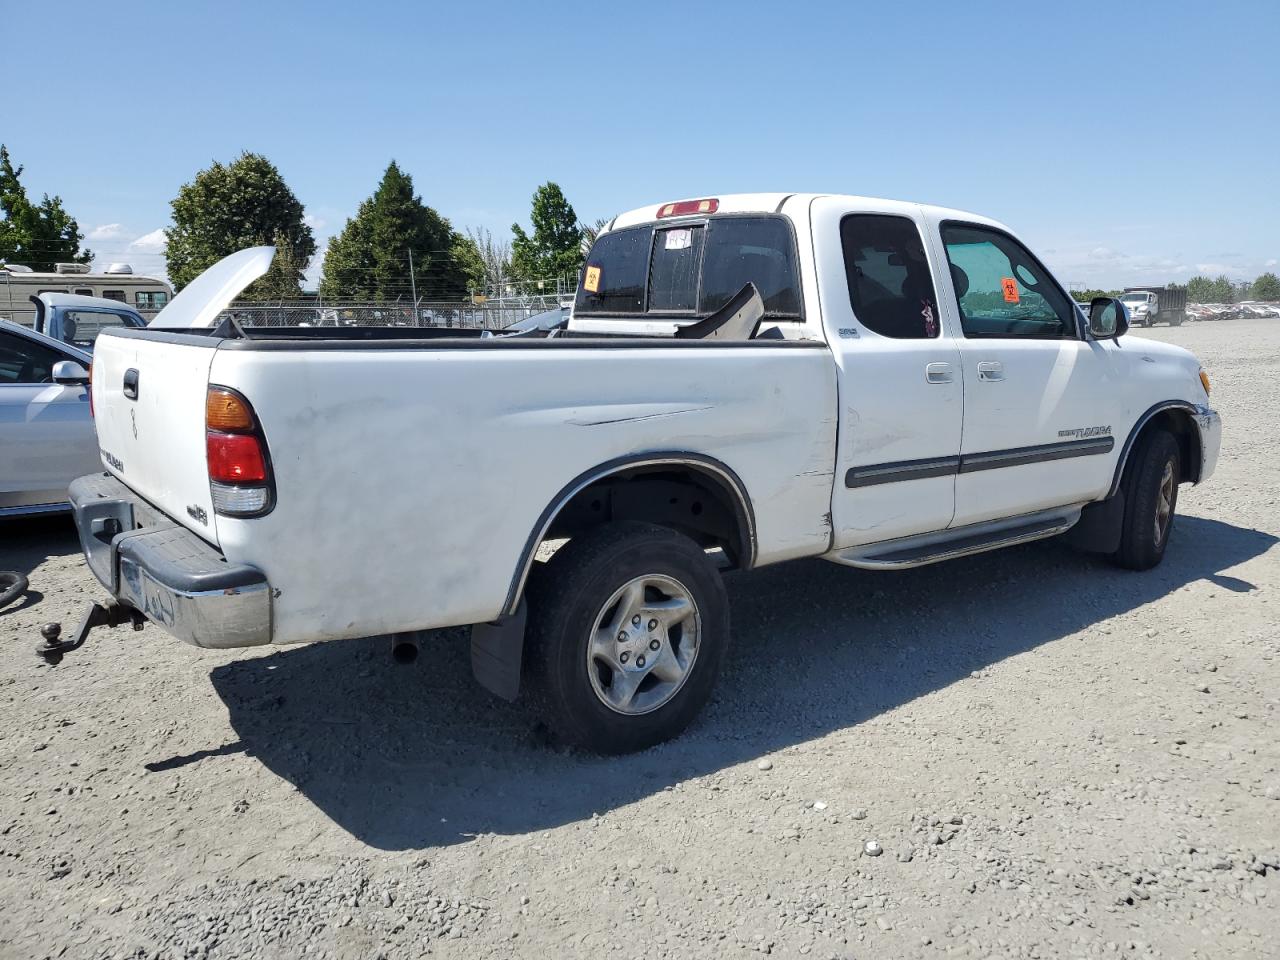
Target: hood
1158	349
200	301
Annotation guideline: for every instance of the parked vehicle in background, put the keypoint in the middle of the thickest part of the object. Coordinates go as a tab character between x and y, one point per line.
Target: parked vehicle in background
1256	308
740	381
78	320
46	425
18	284
1151	305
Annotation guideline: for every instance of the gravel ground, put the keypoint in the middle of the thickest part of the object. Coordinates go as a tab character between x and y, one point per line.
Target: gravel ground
1058	759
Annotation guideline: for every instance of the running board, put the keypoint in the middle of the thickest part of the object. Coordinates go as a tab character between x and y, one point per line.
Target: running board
962	542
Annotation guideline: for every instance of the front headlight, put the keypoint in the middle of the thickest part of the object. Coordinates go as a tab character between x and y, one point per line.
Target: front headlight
1204	381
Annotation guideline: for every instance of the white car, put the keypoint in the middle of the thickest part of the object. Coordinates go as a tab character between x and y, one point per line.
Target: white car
46	426
741	381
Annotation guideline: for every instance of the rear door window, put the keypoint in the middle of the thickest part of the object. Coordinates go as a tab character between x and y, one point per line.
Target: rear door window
691	269
890	287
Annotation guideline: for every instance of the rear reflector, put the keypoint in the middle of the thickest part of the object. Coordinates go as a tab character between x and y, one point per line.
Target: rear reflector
235	458
234	501
687	207
225	410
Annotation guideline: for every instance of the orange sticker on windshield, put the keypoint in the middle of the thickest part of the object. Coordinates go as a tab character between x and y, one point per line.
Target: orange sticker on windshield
591	282
1010	286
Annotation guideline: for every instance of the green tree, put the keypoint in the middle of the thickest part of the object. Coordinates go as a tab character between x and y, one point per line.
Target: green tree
1085	296
1199	289
1225	290
226	208
370	258
1204	290
284	280
555	248
1266	287
36	235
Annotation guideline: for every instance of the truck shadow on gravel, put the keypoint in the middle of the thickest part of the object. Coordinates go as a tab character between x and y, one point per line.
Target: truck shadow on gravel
27	542
420	756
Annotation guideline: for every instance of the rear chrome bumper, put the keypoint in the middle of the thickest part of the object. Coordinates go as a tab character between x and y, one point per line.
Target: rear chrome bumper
164	571
1210	424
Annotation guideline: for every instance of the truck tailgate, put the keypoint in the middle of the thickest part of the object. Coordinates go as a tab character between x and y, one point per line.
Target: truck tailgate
149	399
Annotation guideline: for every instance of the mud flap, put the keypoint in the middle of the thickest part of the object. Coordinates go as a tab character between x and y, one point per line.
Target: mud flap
1098	529
496	652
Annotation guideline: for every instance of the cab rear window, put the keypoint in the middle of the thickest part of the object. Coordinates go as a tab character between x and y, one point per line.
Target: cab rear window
691	269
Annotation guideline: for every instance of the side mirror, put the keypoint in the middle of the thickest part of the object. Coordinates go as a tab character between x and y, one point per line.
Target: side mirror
70	374
1108	318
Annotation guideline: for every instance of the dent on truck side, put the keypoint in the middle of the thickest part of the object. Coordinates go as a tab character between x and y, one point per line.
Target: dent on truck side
409	481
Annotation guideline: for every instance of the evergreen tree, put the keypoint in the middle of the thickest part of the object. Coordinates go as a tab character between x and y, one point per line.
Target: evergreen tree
555	248
36	235
369	259
1266	287
226	208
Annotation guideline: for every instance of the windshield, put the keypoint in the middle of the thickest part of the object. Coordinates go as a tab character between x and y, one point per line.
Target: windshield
1134	298
691	269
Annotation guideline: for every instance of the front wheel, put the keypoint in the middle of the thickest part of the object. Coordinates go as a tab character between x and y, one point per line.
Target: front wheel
1150	500
628	628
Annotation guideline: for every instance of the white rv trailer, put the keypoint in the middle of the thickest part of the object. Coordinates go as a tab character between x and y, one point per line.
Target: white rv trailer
18	284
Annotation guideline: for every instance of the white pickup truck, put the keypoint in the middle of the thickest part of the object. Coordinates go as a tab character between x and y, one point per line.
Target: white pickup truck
742	380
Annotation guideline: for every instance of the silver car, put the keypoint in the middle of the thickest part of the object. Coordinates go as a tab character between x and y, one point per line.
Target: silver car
46	427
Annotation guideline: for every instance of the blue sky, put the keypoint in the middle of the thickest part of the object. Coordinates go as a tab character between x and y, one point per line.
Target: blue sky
1127	142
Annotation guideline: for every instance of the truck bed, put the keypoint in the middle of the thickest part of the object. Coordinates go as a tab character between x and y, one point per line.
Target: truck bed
412	465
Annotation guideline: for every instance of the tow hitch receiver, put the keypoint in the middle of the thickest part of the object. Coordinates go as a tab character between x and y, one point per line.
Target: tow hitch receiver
113	614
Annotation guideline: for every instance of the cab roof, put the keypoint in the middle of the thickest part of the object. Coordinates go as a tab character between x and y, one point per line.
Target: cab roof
52	298
778	202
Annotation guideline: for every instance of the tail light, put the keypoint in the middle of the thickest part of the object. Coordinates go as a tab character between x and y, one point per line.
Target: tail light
91	413
239	466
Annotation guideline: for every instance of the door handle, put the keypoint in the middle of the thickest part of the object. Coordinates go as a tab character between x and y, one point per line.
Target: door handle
131	384
991	370
938	373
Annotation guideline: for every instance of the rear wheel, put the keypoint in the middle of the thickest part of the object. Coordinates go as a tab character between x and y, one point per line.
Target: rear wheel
628	628
1151	500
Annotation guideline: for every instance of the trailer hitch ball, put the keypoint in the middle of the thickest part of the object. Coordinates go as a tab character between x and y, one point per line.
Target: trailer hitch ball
51	649
113	614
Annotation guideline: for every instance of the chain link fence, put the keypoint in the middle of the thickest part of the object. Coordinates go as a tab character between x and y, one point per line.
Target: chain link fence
493	314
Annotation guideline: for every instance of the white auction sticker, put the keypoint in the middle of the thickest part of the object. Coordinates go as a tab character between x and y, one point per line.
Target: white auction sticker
678	239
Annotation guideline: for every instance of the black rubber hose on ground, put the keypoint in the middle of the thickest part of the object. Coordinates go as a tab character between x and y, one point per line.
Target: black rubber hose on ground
12	586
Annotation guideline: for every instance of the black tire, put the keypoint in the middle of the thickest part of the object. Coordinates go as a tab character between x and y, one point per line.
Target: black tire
1141	548
12	586
566	596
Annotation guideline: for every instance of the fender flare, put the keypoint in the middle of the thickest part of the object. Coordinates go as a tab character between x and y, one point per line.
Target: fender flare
1185	406
719	471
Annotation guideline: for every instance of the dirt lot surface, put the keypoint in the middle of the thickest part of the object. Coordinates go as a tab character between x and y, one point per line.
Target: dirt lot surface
1058	758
